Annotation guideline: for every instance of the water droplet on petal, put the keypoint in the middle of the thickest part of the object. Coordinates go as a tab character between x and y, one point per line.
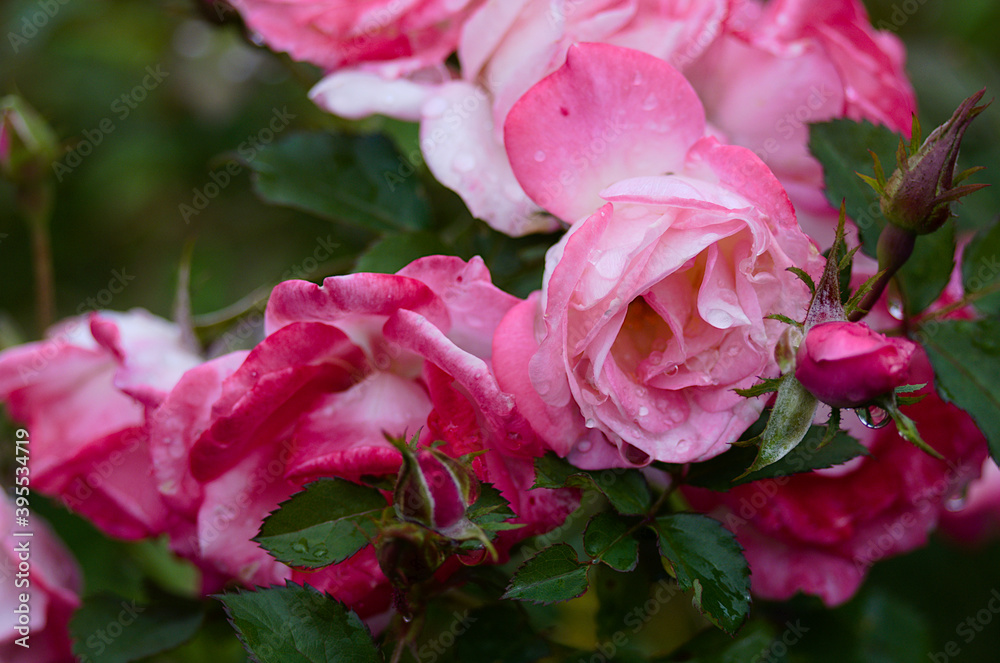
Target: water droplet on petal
590	423
584	446
643	411
956	502
673	370
539	156
896	308
637	80
650	102
873	417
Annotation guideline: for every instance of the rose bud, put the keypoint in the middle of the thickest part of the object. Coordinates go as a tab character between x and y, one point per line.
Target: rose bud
846	364
28	146
434	490
918	195
408	554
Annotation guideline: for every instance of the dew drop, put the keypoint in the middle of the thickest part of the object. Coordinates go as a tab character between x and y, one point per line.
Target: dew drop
590	423
673	370
637	79
873	417
896	309
650	102
583	446
655	358
643	411
956	502
300	546
540	156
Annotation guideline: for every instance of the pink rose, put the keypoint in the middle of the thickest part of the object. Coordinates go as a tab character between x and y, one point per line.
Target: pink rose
504	49
846	364
84	394
819	532
974	517
654	307
53	593
782	65
399	35
342	365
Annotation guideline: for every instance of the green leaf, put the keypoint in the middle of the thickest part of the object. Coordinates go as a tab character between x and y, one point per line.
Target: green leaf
325	523
765	386
393	252
491	511
922	278
723	472
981	268
627	490
791	416
706	558
966	359
351	179
296	624
111	629
554	574
607	538
842	148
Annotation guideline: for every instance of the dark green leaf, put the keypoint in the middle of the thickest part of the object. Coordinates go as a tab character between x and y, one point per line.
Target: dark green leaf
296	624
981	268
627	490
607	538
111	629
330	520
393	252
720	473
706	558
491	511
352	179
966	359
552	575
927	271
842	148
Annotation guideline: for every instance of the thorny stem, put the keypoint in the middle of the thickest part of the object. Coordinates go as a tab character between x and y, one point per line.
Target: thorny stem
36	204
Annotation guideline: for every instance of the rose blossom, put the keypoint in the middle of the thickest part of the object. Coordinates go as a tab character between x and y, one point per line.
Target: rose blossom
847	364
83	394
763	72
341	366
653	307
974	518
820	532
399	35
53	592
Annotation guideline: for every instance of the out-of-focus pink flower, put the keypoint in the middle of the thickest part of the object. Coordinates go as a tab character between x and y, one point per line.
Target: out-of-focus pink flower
819	532
394	35
52	588
974	518
341	366
654	307
84	394
847	364
504	49
782	65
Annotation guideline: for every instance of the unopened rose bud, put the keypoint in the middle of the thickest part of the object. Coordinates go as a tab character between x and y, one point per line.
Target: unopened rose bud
408	554
28	146
434	490
918	195
847	364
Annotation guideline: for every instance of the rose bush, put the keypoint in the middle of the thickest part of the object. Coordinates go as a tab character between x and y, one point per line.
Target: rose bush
654	307
85	394
341	366
53	587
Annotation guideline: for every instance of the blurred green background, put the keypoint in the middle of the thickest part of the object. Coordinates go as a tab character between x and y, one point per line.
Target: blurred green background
120	211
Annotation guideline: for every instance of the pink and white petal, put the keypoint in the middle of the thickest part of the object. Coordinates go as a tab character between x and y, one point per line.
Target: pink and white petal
608	114
280	379
475	304
356	94
459	146
342	298
344	435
